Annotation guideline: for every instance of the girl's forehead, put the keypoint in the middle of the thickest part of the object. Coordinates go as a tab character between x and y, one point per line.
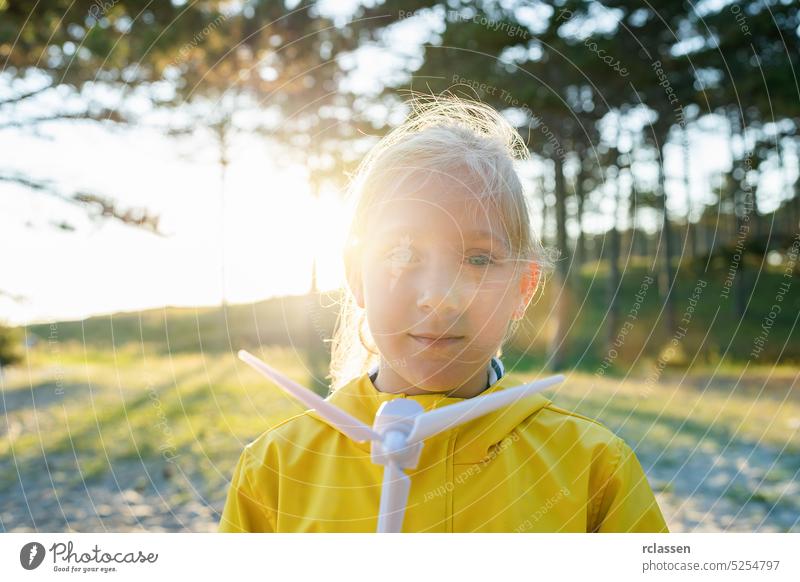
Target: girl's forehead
435	204
444	223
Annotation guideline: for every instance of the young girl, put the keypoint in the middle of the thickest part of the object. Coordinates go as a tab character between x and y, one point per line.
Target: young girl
441	264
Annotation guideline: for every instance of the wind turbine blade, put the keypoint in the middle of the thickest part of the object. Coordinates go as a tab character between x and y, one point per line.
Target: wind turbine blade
394	497
430	423
338	418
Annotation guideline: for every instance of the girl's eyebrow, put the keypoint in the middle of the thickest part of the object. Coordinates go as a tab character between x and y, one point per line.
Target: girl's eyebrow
480	234
474	234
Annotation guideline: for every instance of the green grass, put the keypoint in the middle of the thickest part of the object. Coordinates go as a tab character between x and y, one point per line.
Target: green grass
670	413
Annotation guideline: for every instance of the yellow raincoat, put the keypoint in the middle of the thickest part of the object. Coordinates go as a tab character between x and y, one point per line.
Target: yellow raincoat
530	467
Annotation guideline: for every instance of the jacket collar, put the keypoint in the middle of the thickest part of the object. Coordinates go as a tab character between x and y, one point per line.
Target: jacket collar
474	439
496	370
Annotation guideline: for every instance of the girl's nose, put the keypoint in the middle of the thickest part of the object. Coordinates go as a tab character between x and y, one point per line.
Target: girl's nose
441	292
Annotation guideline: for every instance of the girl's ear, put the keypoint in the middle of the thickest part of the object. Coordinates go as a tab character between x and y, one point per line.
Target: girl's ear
529	281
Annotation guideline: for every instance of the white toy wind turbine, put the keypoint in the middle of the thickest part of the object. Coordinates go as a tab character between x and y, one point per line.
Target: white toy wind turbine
399	429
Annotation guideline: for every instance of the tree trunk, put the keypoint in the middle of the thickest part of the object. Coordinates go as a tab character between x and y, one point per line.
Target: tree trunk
561	217
613	268
790	216
795	213
741	231
666	276
222	130
557	347
317	358
580	247
545	213
690	230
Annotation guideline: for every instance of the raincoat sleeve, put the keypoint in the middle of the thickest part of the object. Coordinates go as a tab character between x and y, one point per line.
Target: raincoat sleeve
244	511
627	503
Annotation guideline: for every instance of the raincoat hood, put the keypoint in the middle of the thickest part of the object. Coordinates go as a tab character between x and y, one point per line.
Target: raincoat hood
475	438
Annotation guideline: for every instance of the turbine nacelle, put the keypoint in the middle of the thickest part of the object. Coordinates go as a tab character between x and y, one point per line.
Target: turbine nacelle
394	422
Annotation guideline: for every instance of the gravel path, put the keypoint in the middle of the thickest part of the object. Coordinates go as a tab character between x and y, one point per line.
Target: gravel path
135	498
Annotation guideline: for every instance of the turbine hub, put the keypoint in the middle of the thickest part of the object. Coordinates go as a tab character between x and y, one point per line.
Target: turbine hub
394	422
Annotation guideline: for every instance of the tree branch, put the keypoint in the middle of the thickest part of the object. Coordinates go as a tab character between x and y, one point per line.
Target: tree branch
103	207
23	96
103	115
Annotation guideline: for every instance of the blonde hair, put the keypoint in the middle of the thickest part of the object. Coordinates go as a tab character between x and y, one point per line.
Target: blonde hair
461	140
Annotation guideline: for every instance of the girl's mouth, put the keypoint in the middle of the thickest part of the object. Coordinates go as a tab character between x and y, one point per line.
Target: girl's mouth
440	342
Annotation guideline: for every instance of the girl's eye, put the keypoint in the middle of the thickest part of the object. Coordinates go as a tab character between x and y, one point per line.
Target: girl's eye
482	260
402	254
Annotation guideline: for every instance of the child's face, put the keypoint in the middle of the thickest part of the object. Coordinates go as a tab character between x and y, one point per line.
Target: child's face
436	262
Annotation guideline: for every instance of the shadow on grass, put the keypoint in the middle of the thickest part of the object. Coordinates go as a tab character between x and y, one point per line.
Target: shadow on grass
40	395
